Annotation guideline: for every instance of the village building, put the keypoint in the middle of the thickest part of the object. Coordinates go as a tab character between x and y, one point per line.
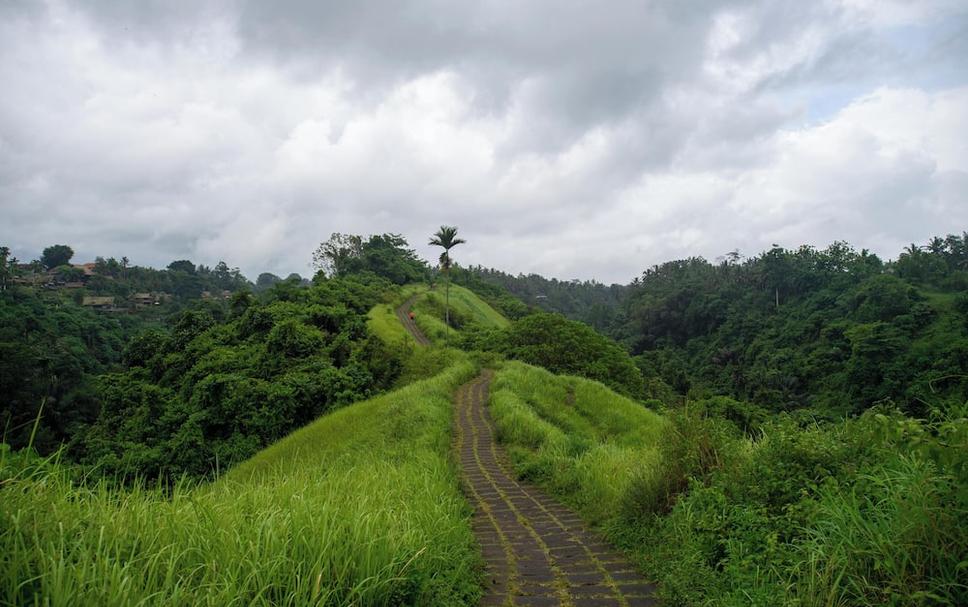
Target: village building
97	302
143	300
87	268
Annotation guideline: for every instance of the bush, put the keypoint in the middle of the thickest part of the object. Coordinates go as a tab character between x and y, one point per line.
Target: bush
566	346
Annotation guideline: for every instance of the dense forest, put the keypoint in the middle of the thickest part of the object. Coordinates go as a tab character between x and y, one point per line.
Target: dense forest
834	330
193	383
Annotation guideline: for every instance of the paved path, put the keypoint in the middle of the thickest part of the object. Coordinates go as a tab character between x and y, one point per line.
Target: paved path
403	313
537	551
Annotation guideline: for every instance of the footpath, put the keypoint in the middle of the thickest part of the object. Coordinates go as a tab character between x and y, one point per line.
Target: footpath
537	552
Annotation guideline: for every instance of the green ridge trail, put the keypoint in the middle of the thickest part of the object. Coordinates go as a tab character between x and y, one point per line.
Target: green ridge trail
403	313
537	552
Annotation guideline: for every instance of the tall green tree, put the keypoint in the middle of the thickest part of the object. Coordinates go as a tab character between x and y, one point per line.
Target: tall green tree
446	237
56	255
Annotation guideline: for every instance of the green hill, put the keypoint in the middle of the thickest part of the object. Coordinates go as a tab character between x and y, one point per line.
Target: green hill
467	310
586	443
360	507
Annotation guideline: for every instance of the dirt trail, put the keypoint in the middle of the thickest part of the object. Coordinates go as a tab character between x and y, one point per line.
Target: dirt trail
537	551
403	313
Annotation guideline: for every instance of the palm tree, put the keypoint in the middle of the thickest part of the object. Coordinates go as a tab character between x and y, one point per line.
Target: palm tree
446	237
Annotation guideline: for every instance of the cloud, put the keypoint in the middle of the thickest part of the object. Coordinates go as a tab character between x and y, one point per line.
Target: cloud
560	139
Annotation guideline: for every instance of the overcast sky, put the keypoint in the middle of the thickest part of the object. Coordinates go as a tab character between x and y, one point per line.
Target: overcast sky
573	139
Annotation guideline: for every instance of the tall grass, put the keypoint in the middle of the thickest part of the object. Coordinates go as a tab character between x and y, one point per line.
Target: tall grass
587	444
362	507
869	511
382	321
466	303
466	308
882	540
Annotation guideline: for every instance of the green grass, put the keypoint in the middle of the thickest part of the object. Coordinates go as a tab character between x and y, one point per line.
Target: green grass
382	321
466	308
431	326
362	507
583	442
467	303
869	511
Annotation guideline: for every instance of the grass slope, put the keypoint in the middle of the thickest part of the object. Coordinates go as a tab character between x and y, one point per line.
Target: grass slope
868	511
466	308
382	321
467	303
583	442
361	507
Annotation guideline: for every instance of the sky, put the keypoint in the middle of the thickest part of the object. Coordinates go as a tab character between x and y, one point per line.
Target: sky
574	139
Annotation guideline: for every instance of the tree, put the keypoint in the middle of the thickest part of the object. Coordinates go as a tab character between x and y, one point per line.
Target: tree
182	265
56	255
389	256
266	280
335	256
446	237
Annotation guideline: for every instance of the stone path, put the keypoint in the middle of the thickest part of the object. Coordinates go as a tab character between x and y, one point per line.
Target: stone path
537	551
403	313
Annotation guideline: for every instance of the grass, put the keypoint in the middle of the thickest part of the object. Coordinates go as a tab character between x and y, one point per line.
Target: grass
362	507
466	308
466	303
583	442
868	511
382	321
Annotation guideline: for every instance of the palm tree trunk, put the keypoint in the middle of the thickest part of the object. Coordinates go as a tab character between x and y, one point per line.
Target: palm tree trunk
447	304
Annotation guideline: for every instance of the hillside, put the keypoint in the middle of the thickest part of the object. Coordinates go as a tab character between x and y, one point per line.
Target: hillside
860	513
359	507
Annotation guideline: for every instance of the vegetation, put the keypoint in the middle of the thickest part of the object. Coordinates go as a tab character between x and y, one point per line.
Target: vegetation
361	507
786	430
469	313
581	440
51	351
387	255
208	394
590	302
868	511
56	255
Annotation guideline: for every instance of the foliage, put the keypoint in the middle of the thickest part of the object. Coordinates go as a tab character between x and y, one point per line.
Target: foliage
446	238
361	507
467	308
388	256
50	351
496	296
590	302
567	346
862	512
211	393
587	444
867	511
832	331
56	255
